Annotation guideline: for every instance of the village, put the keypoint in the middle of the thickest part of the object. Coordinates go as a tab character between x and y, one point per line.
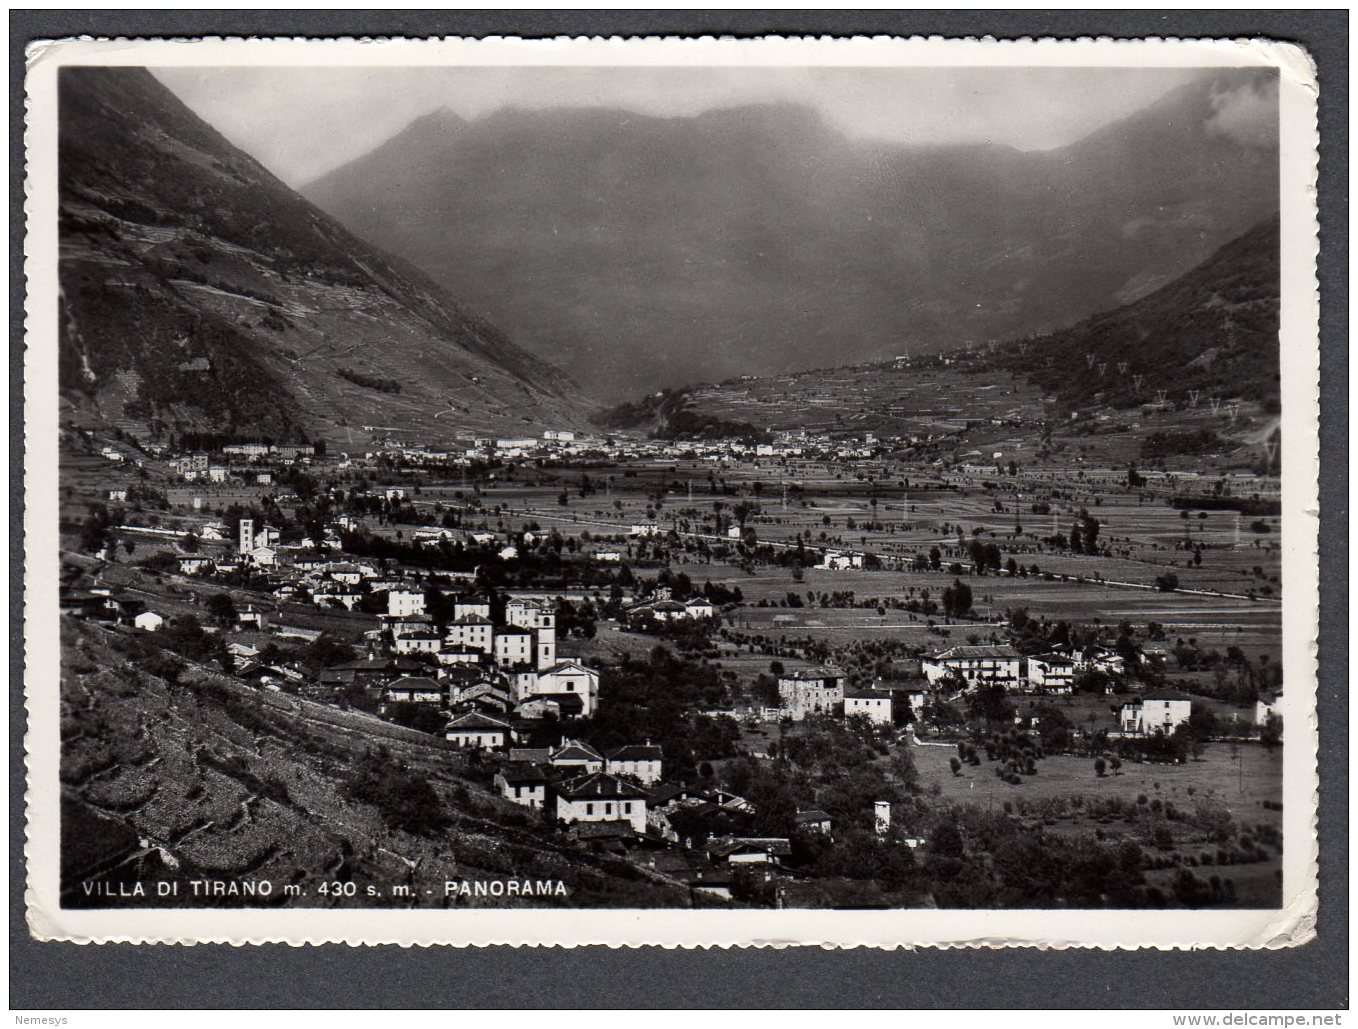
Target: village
522	600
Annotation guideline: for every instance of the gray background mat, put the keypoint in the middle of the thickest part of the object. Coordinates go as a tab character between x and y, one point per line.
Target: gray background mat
1316	976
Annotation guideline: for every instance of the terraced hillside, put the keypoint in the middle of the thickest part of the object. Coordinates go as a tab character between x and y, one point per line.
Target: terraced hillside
174	772
199	291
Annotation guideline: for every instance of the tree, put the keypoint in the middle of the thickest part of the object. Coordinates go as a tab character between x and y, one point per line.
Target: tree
1100	766
1090	531
988	701
935	558
221	607
94	530
955	765
947	841
957	599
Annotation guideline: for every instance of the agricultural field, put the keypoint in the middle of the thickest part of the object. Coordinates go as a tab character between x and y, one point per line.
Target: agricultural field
1239	778
1067	796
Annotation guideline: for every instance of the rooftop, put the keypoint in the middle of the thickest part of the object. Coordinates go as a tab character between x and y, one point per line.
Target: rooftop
600	785
636	752
995	652
812	674
476	720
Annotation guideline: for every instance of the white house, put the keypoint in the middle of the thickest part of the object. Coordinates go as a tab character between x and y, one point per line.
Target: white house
1155	712
417	643
1053	673
513	646
253	616
413	689
571	677
477	731
1266	706
699	607
839	560
149	621
401	602
472	631
643	529
214	532
874	705
975	664
523	784
640	760
600	797
810	691
349	575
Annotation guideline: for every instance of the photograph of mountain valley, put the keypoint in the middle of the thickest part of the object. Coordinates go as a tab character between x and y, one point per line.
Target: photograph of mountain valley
669	487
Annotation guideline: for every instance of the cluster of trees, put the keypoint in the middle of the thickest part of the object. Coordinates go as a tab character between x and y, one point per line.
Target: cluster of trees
657	698
984	556
374	382
957	599
1084	534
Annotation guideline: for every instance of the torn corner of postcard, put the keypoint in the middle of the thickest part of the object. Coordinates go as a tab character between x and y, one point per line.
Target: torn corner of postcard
672	491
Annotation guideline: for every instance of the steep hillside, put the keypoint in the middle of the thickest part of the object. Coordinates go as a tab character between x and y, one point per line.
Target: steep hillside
173	771
1213	331
199	291
651	251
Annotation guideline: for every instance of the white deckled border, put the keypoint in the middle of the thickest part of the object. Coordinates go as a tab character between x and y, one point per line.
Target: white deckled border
1291	925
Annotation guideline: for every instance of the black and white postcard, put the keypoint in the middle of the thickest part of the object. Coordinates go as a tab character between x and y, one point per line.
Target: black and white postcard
852	492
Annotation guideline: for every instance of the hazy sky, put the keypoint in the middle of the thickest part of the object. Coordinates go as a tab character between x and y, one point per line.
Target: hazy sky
302	122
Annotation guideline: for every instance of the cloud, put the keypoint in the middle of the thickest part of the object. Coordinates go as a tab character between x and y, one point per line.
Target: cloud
1247	114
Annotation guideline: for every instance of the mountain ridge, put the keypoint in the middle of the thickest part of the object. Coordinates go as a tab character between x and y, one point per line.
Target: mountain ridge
652	251
200	292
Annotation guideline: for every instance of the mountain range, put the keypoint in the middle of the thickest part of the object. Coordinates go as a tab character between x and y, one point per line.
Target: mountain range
200	292
647	251
1212	332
